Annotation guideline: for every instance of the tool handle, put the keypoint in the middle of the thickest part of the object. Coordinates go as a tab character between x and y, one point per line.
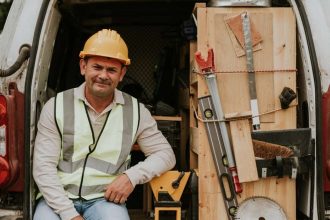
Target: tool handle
207	64
237	184
176	183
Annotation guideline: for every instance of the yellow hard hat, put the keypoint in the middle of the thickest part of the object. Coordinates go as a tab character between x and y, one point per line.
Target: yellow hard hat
106	43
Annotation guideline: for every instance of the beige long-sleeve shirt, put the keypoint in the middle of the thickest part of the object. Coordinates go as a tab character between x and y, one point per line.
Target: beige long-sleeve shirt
159	154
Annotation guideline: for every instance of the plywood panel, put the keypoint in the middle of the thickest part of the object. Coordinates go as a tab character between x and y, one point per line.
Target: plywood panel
285	58
208	178
207	208
243	150
227	60
278	52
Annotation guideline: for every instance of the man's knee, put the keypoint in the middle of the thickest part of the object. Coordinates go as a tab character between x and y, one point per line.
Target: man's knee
106	210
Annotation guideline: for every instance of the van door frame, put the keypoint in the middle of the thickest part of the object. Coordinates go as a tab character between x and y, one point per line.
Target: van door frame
28	201
317	207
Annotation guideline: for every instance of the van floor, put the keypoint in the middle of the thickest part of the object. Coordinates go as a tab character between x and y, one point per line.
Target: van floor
137	214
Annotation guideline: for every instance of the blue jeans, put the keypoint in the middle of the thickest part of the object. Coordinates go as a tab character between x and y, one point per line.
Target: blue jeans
95	209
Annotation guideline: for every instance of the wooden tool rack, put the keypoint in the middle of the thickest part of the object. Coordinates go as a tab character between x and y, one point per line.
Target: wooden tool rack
275	64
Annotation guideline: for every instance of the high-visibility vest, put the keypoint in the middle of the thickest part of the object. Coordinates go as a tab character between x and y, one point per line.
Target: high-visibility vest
88	164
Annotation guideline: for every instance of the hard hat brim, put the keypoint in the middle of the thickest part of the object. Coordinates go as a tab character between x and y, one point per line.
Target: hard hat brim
83	55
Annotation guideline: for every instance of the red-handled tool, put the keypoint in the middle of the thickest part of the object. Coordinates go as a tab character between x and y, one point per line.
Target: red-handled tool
207	67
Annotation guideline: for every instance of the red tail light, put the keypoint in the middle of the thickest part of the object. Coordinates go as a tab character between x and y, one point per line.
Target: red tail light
4	164
12	140
4	171
3	110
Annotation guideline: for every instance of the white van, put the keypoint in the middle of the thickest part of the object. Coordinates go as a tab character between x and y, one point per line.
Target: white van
39	47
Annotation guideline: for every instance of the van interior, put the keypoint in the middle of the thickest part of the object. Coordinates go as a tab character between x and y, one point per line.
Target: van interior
157	34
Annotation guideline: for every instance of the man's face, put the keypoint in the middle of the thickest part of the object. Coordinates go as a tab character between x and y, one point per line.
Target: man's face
102	76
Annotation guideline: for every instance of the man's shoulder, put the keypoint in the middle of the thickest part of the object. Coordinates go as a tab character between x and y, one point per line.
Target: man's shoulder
49	102
124	95
48	108
71	94
67	91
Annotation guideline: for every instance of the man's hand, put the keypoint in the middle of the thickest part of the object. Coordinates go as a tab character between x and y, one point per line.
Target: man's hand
119	189
78	217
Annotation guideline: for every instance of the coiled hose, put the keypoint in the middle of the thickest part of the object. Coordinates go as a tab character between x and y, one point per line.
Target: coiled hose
24	54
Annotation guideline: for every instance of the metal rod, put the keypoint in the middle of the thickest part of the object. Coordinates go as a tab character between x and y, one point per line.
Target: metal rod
251	72
213	88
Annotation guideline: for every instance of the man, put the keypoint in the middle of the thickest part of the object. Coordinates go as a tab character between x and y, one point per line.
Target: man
84	139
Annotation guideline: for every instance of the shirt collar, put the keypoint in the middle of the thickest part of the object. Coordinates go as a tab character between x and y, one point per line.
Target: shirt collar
117	99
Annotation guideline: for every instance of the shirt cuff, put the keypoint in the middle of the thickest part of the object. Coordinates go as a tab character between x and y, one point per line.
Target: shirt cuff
133	176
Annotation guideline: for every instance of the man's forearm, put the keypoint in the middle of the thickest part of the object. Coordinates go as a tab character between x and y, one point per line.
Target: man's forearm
153	165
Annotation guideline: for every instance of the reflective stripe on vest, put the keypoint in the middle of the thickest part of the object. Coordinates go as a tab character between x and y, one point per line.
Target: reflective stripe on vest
106	157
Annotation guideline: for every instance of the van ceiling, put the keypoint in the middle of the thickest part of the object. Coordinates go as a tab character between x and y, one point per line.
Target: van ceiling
134	12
